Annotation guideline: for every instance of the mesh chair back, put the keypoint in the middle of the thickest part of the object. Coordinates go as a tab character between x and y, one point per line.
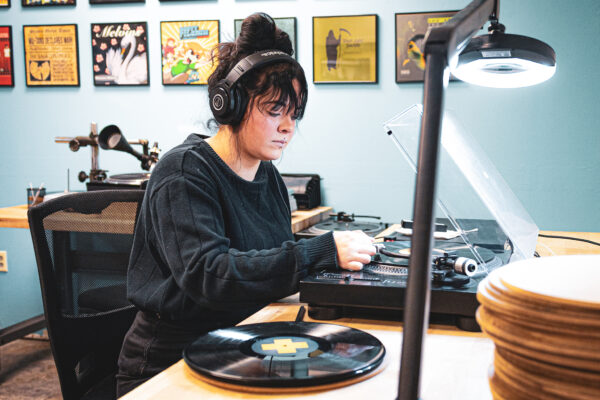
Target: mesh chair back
82	243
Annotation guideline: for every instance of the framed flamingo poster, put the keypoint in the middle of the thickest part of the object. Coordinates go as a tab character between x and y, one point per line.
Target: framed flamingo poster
120	54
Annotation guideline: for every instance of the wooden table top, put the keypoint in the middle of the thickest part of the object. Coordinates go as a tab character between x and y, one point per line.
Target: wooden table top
455	365
16	217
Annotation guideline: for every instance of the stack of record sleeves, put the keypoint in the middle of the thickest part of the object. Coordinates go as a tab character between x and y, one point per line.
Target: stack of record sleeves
544	318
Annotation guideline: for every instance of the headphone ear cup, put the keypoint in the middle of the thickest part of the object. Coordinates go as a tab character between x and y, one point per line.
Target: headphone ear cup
219	101
239	103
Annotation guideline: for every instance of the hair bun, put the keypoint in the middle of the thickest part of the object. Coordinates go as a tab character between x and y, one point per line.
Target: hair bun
259	32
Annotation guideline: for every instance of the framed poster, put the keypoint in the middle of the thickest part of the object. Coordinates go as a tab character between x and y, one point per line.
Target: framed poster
115	1
51	57
4	3
43	3
410	35
345	49
120	54
186	51
6	58
288	25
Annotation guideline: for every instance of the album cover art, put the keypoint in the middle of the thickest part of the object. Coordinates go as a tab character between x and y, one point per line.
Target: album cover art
115	1
51	57
42	3
345	49
186	51
410	38
6	57
120	54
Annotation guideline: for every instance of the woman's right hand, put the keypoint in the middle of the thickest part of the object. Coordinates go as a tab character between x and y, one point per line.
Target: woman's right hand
354	249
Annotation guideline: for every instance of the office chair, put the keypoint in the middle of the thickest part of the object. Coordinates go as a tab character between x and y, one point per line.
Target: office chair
82	243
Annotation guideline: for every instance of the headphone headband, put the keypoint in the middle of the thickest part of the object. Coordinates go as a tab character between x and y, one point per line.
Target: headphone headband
227	102
254	61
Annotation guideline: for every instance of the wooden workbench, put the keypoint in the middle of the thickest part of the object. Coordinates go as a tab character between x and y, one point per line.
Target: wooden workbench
16	217
455	363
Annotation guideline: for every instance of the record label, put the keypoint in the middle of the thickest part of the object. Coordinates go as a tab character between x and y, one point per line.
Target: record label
285	346
284	354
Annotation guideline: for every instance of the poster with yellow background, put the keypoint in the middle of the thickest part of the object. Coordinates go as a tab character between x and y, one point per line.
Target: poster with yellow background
186	51
51	55
345	49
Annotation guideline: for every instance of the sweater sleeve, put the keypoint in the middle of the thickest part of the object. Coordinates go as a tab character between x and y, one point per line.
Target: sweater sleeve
190	234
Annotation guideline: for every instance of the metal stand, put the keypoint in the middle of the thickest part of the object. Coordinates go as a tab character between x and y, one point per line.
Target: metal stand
416	311
441	46
21	329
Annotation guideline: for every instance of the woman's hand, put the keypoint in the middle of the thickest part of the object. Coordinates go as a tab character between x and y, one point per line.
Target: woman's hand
354	249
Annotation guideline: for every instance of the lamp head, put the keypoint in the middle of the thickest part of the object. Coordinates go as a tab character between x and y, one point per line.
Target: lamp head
503	60
111	138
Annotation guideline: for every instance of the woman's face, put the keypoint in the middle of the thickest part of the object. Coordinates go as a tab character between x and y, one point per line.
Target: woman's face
265	132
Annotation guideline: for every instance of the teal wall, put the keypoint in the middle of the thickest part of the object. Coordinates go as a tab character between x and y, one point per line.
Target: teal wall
544	140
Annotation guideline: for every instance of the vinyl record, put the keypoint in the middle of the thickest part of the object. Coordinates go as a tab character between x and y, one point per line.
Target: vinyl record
440	247
284	354
370	228
135	178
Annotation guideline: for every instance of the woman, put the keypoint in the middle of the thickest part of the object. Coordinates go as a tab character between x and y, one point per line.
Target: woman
213	243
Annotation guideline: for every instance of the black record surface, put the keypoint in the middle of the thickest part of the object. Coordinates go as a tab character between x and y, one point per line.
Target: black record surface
439	248
285	354
370	228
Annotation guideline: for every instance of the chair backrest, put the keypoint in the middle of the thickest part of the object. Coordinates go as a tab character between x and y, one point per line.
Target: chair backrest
82	243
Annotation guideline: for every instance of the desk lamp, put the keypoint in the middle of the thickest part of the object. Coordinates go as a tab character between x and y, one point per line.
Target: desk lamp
495	60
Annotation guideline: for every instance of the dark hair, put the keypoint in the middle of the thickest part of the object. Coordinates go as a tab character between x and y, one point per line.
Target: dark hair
259	32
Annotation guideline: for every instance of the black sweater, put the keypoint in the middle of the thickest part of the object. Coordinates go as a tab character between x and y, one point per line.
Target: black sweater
211	246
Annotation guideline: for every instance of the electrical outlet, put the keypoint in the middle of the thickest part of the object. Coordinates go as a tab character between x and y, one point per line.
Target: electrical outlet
3	262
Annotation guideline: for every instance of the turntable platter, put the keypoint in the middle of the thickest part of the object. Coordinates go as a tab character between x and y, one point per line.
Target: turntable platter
121	181
128	179
370	228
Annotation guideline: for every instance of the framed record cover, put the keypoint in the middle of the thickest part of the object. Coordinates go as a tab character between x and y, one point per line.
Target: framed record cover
51	55
288	25
410	34
44	3
4	3
345	49
120	54
186	51
6	57
115	1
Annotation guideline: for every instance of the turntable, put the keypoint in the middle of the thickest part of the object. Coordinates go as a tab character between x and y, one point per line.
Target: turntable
485	227
137	180
378	290
111	138
342	221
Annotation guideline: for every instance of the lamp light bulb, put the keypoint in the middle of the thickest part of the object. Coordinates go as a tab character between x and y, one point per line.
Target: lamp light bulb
503	72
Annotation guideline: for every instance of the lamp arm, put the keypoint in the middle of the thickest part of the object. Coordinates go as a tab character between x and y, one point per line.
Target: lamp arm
416	308
455	34
442	44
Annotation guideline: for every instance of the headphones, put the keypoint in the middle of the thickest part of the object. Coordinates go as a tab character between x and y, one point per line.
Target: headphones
228	101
